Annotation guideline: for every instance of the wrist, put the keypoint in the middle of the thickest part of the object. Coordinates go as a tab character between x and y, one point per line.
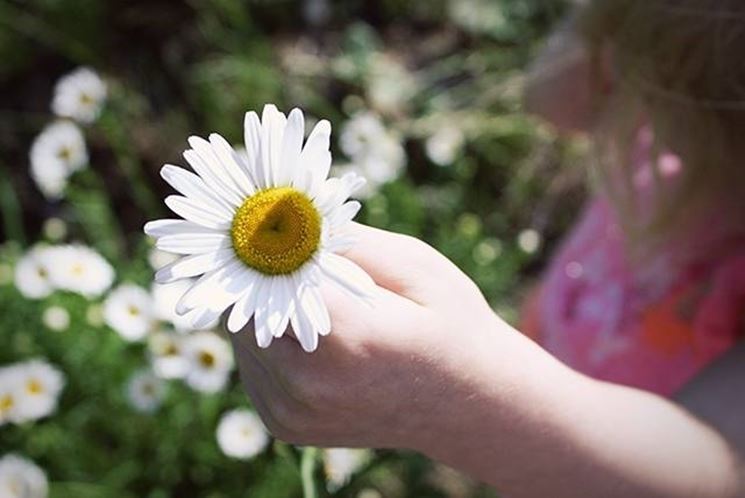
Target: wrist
494	395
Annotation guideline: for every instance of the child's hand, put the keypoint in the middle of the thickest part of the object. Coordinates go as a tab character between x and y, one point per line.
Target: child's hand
386	369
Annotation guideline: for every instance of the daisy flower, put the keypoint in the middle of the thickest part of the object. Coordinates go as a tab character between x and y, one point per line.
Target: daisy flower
21	478
145	391
39	390
56	318
443	146
165	351
340	464
56	153
241	434
262	231
78	269
31	275
10	382
374	151
79	95
128	310
209	359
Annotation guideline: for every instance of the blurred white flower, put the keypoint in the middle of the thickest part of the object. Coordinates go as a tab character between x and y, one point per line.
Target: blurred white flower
390	85
78	269
165	298
529	240
145	391
210	361
340	463
376	152
443	146
128	310
79	95
32	274
56	153
11	381
158	259
487	251
21	478
165	351
39	389
54	229
477	16
241	434
56	318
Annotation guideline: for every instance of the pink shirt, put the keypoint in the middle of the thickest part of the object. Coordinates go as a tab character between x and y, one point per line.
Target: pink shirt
652	324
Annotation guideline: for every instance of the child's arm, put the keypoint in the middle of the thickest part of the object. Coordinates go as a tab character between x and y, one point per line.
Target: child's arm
431	368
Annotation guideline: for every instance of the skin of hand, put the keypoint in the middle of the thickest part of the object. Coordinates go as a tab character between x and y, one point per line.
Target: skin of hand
387	366
430	367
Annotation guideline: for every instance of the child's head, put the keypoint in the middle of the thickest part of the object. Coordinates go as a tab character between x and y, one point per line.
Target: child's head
678	65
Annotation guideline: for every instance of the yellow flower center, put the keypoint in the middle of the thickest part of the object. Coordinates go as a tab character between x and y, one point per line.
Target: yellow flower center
33	386
6	403
276	230
206	359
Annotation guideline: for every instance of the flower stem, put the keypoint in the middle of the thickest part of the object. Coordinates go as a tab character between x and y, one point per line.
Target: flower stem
307	469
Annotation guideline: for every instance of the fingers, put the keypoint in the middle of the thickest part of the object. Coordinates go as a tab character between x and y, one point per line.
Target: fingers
402	264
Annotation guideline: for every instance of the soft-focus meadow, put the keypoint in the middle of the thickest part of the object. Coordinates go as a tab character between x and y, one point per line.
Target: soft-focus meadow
102	386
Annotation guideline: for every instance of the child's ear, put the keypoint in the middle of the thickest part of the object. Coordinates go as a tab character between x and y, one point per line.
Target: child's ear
562	85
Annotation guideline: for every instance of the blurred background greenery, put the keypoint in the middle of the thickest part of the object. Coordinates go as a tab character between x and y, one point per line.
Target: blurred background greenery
468	171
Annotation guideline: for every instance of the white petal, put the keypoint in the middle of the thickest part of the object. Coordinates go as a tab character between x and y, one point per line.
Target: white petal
204	317
210	173
292	142
252	140
315	156
159	228
244	308
335	191
273	126
193	243
279	306
346	274
198	213
192	266
217	289
343	214
263	333
193	187
227	158
306	334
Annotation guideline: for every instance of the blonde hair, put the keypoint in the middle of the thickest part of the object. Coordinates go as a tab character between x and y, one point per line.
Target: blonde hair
678	65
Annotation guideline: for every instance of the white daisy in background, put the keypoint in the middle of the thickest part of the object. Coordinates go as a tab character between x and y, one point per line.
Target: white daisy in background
166	355
340	464
165	299
389	84
529	240
32	274
21	478
79	95
10	383
56	318
262	232
375	151
209	360
145	391
477	16
78	269
56	153
241	434
158	259
443	146
128	310
39	385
